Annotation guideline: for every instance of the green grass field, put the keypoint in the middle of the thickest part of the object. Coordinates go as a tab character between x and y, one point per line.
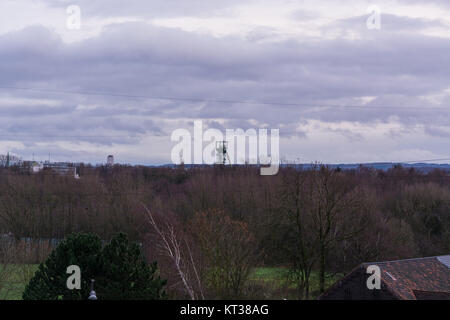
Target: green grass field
269	282
275	281
13	279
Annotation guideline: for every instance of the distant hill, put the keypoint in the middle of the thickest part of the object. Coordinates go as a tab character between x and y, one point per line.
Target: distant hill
423	167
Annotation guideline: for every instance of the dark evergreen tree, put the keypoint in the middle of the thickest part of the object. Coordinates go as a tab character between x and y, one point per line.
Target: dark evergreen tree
126	275
50	281
119	270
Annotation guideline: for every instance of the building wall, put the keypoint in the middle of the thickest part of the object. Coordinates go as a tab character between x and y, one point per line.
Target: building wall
354	288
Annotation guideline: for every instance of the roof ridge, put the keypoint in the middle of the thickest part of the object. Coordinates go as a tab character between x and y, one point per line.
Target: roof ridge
409	259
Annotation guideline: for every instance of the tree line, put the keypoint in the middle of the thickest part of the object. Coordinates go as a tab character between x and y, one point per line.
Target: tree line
208	227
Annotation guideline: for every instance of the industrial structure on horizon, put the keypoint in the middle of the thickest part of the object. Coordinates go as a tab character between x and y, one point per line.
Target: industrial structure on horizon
110	160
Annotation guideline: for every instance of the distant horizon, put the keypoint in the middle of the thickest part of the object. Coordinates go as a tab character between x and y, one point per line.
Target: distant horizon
409	163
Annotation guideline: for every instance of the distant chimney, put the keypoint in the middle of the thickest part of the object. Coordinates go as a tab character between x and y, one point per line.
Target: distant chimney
110	160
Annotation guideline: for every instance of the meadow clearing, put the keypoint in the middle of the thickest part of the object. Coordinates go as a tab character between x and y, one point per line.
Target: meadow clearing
271	282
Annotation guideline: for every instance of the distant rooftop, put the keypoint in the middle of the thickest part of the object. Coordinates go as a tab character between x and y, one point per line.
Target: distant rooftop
406	277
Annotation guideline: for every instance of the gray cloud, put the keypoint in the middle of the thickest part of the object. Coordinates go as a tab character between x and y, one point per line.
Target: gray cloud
396	65
146	9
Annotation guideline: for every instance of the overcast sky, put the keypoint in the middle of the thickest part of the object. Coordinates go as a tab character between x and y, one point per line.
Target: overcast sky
337	90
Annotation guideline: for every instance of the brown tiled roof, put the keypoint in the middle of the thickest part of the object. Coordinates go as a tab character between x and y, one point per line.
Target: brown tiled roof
406	277
430	295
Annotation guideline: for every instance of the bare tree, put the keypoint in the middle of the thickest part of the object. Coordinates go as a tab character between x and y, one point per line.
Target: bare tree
6	266
230	251
175	246
333	205
297	238
7	159
321	208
